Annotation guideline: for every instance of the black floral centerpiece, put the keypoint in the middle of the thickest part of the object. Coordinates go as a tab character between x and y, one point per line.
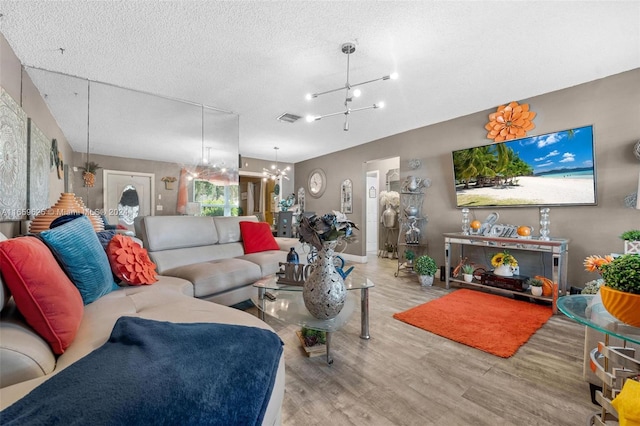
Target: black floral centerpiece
324	292
317	230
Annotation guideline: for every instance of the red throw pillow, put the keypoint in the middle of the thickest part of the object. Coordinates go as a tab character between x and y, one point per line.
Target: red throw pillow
257	237
43	293
130	262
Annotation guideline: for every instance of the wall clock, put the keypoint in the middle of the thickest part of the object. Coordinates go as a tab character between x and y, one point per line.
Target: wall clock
317	183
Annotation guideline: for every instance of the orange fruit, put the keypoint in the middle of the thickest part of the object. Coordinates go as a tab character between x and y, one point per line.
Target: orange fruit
524	231
475	224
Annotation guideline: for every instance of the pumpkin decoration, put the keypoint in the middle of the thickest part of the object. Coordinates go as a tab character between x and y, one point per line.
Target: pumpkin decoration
547	285
524	231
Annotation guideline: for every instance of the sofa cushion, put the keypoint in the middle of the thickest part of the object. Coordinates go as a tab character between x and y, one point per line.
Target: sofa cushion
78	249
49	302
173	232
217	276
169	259
229	227
268	261
257	237
130	262
105	237
24	355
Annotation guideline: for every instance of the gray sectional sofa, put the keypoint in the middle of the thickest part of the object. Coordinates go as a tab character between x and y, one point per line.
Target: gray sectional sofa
208	252
200	260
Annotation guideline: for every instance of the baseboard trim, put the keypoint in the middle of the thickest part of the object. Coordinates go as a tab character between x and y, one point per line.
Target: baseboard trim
354	258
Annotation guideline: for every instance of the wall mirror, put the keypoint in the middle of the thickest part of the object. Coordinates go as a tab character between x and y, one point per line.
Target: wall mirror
103	119
346	196
393	180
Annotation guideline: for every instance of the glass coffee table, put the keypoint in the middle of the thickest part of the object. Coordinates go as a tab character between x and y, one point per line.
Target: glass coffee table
289	307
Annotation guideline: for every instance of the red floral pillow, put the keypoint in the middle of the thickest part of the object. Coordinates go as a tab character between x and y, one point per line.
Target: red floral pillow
130	262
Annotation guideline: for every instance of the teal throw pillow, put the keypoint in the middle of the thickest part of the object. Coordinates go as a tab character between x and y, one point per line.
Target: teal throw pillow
76	246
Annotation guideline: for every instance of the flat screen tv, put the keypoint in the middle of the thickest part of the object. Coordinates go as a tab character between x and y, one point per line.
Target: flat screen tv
555	169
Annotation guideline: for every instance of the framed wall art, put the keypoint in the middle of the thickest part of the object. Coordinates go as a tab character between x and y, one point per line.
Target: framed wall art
13	159
38	175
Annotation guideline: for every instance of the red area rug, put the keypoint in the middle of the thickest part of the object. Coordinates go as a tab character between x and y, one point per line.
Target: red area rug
494	324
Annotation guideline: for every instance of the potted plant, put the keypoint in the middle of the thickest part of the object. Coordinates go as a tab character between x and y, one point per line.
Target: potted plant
409	255
425	267
621	290
631	241
535	285
467	272
168	182
89	173
504	263
313	337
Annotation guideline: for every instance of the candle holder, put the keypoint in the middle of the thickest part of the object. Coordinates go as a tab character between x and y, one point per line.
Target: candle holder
465	221
544	224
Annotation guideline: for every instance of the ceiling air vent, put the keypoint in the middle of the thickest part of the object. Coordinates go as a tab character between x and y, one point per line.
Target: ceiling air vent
289	118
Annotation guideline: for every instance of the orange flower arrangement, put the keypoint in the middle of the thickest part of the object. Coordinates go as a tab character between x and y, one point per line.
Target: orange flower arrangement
594	263
510	122
130	262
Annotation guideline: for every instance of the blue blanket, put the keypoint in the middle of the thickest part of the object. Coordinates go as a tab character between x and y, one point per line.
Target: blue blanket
152	372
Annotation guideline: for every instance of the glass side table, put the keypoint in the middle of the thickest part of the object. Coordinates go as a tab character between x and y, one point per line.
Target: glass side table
612	365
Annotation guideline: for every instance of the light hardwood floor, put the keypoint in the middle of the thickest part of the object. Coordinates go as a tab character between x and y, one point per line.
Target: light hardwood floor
407	376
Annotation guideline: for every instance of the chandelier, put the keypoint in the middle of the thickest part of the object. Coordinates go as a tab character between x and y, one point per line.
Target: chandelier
348	49
275	173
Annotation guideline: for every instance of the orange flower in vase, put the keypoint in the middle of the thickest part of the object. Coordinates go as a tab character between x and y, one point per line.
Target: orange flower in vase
594	263
510	122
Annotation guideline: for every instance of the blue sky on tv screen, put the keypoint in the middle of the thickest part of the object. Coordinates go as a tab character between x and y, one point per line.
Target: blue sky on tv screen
556	151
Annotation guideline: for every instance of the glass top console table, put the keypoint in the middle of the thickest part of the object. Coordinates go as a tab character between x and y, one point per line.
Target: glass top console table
612	365
289	307
535	257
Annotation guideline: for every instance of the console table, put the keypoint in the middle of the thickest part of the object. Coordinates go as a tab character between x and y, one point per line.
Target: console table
535	257
613	365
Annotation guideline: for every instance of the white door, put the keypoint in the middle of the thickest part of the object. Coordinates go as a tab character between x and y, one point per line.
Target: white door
372	192
128	195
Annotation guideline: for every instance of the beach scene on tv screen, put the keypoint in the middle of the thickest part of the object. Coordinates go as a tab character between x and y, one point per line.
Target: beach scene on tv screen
552	169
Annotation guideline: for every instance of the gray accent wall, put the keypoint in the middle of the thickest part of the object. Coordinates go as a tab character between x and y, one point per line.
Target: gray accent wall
611	105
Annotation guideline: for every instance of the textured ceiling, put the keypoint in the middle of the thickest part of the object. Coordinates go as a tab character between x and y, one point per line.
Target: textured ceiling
259	59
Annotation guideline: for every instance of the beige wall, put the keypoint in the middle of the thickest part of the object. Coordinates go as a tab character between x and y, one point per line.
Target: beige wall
611	104
22	90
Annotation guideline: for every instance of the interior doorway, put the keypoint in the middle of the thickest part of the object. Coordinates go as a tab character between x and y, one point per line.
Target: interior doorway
128	195
381	175
372	193
252	190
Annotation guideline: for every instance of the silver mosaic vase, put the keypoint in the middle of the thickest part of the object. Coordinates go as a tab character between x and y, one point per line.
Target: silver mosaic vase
324	292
